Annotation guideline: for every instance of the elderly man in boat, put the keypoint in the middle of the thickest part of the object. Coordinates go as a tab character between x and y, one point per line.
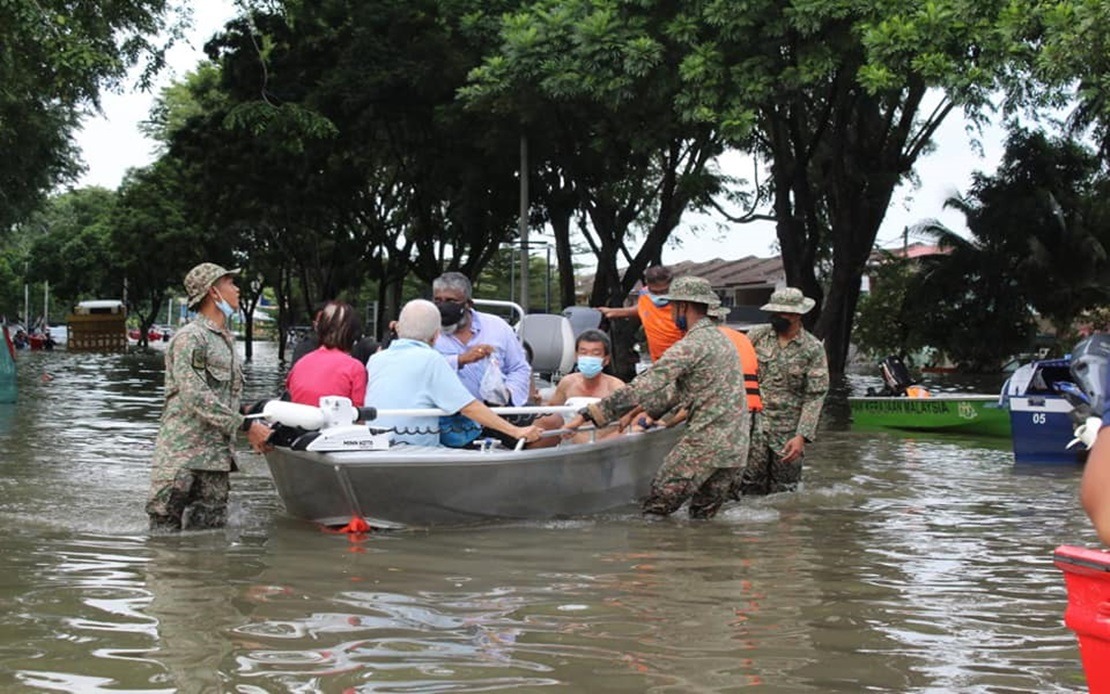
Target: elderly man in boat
701	373
473	343
411	374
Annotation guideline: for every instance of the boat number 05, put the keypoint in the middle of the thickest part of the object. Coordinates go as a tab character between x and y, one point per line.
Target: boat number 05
1038	417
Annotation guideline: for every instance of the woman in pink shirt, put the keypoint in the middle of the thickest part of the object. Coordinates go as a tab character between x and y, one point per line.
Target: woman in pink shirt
330	369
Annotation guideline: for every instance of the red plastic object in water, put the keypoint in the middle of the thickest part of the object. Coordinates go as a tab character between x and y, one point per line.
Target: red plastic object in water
1087	575
357	525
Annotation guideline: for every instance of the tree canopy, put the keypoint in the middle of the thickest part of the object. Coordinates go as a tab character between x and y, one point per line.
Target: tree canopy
56	58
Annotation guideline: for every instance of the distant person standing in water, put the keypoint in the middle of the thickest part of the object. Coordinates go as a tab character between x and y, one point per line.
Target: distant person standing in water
194	450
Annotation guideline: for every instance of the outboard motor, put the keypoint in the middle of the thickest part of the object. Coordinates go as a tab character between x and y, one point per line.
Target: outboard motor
1090	362
895	375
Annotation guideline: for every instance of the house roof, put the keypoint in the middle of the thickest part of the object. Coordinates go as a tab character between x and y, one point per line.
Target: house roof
749	271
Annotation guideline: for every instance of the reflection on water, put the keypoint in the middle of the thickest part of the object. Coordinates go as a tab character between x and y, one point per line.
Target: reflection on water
906	564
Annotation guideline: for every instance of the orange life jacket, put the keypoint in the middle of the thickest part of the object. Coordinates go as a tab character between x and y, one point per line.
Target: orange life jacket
659	327
917	392
749	363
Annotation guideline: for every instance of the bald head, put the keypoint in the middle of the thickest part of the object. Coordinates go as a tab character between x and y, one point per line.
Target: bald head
419	320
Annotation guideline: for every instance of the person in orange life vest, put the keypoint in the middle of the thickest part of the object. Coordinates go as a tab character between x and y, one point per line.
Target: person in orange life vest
749	362
652	310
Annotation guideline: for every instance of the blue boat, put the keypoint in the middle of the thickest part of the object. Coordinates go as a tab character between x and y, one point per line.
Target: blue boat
9	389
1041	413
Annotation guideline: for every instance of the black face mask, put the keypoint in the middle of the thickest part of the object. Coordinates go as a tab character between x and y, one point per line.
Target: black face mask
779	324
451	313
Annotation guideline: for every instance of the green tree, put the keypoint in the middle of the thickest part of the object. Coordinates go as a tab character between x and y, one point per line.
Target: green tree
56	58
968	303
842	98
70	246
1038	229
155	239
593	85
882	326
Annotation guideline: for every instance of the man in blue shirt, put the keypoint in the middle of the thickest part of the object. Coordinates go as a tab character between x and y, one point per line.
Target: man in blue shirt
411	374
469	338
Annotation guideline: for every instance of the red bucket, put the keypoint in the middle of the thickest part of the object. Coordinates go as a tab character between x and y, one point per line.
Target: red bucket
1087	575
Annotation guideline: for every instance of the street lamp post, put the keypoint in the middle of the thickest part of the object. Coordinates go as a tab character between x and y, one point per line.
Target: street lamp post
523	223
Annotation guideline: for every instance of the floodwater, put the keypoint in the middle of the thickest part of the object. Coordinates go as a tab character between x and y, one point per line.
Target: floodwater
905	565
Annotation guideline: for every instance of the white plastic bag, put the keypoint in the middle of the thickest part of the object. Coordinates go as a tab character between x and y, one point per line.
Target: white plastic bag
492	389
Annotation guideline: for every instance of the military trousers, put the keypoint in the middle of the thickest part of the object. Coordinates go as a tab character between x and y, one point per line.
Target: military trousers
192	500
672	486
765	472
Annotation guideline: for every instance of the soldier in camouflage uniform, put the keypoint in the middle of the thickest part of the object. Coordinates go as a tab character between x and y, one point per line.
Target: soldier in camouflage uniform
701	373
793	380
193	452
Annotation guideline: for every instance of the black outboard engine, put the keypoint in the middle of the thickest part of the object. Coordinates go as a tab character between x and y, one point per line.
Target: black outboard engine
896	376
1090	362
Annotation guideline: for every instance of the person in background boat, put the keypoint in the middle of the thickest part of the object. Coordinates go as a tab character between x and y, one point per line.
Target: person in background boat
701	373
473	342
749	362
330	369
651	309
194	449
364	348
311	341
793	382
411	374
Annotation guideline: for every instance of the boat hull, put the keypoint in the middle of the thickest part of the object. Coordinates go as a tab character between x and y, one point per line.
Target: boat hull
976	415
1087	576
1042	427
425	486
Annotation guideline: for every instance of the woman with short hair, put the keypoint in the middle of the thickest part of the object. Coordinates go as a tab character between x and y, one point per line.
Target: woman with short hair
330	369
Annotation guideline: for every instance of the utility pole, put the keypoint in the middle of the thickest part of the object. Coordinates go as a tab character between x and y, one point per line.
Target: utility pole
523	223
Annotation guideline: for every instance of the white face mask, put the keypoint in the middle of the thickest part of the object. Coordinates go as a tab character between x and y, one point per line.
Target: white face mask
223	306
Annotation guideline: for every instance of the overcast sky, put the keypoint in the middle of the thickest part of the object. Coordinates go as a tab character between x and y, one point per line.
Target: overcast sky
112	144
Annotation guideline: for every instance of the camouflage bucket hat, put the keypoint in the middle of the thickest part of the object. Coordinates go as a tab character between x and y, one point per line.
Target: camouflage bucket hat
788	300
201	278
720	313
693	289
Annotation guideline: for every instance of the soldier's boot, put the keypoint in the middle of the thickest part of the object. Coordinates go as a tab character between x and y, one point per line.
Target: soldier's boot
164	524
668	497
203	516
712	494
786	477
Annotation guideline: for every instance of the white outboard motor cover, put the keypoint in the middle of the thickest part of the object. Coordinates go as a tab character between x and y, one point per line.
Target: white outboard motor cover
337	411
351	437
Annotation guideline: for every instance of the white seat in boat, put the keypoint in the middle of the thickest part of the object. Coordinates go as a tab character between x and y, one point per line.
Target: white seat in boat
552	341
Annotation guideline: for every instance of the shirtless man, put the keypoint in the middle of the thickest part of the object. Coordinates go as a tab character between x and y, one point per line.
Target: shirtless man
593	348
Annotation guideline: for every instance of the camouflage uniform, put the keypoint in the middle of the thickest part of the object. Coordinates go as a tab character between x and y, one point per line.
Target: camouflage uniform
793	380
700	372
193	452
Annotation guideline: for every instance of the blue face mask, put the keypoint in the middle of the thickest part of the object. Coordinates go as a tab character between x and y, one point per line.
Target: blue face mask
658	300
223	306
680	323
590	366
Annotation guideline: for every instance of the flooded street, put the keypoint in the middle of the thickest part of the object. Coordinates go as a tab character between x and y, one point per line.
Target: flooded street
905	565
